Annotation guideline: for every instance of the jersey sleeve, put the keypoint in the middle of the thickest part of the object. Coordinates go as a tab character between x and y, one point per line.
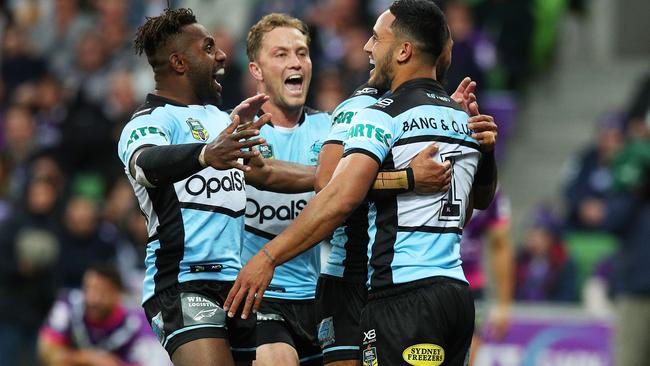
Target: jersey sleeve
342	117
56	328
144	130
371	132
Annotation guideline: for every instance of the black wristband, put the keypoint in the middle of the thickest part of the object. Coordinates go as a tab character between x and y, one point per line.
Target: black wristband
170	163
487	169
411	179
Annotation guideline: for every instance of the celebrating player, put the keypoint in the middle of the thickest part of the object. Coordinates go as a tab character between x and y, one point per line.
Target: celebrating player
183	157
414	249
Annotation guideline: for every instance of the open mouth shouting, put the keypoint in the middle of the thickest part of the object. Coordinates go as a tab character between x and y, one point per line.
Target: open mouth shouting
295	84
217	75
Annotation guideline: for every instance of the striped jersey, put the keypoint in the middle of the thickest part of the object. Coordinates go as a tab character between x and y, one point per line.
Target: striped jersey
195	225
348	258
415	236
269	213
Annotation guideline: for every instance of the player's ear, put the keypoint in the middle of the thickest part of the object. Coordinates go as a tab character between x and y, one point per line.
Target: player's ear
177	63
255	70
404	52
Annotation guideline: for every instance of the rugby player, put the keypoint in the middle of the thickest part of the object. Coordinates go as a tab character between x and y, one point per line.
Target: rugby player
182	156
278	51
414	249
341	292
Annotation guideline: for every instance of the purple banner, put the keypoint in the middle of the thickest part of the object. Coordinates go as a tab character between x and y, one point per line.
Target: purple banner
550	342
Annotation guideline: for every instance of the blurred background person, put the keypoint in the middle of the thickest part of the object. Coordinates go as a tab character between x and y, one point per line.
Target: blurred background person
93	327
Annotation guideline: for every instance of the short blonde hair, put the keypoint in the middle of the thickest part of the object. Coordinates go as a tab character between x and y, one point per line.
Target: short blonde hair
268	23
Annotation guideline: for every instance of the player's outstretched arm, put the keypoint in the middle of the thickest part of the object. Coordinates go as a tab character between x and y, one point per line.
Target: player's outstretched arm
424	175
324	213
152	166
280	176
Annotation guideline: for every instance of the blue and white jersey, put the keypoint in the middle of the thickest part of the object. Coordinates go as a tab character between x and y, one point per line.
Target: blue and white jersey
348	258
416	236
195	225
269	213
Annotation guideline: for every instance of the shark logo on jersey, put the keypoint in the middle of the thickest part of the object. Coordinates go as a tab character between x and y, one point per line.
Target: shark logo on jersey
315	150
198	131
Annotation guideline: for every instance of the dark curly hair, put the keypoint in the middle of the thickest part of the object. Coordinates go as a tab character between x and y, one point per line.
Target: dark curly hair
423	23
157	31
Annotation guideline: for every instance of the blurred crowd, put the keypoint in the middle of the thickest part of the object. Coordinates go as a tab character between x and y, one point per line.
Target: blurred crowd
69	81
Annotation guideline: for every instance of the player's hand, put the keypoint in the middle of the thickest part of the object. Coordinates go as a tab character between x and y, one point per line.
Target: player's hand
430	175
464	94
249	287
231	145
484	128
499	322
248	108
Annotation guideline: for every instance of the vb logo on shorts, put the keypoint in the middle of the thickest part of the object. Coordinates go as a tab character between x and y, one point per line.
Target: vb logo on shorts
424	354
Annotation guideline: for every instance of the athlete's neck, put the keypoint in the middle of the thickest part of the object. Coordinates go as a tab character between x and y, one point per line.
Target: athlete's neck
176	90
283	117
407	74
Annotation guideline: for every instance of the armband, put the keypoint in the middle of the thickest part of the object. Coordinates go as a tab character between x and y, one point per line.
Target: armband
395	181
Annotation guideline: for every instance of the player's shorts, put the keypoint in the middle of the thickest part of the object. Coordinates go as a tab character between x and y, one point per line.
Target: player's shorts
194	310
338	307
424	322
292	322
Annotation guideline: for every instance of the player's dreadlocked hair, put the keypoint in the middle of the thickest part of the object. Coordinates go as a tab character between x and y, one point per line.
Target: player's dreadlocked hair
157	31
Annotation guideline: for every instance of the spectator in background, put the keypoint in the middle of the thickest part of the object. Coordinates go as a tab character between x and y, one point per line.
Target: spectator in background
59	28
30	249
590	177
545	272
18	147
19	64
490	230
627	215
93	326
231	81
473	53
84	240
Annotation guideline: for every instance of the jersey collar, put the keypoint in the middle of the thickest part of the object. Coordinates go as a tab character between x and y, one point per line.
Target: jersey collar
423	83
158	100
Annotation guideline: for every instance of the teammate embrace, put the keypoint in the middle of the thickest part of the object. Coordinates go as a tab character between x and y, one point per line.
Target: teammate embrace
188	161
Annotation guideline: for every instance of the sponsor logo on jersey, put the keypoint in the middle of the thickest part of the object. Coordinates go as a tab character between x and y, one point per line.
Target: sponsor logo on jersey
198	185
424	354
369	336
198	131
140	132
383	103
268	212
366	91
431	123
370	131
370	357
439	97
343	117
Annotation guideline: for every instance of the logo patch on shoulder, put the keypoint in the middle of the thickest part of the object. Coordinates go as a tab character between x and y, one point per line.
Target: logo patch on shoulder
424	354
198	131
370	357
198	309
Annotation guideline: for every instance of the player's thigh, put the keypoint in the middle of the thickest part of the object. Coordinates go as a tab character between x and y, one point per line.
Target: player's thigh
279	353
339	305
205	352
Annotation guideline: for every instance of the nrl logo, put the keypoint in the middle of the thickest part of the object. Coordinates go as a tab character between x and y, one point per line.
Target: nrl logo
198	131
